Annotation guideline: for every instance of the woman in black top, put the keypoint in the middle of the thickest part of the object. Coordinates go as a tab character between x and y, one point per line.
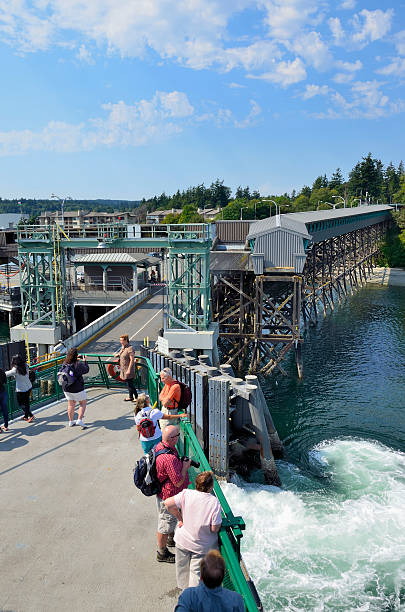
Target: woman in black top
3	400
75	391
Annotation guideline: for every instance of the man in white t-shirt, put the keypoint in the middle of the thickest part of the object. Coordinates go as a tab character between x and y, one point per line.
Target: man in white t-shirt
199	516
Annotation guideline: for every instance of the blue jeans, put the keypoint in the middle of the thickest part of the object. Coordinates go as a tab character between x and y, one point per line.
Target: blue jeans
4	406
147	445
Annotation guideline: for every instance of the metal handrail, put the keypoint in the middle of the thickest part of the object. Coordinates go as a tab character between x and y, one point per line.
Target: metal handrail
230	533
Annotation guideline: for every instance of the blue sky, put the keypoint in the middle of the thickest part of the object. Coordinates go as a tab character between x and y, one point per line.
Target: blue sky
130	98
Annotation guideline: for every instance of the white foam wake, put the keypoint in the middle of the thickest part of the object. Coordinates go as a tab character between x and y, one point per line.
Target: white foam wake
329	542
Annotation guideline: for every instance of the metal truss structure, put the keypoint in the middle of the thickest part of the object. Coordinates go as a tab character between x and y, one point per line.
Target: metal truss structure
44	285
42	280
261	318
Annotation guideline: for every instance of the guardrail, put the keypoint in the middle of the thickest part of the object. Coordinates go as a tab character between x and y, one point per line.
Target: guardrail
90	330
46	390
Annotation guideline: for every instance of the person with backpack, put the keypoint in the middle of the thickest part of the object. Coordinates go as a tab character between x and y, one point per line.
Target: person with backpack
3	400
70	378
23	385
147	422
172	474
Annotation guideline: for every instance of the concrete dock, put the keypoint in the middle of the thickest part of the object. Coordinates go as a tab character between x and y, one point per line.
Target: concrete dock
145	320
390	277
76	534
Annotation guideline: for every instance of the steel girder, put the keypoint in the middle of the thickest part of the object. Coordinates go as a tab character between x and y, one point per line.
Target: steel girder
260	317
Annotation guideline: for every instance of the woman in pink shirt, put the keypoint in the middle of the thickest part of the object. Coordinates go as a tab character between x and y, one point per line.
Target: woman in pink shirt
199	516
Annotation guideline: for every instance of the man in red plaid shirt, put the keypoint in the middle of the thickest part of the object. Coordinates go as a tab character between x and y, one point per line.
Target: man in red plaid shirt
173	473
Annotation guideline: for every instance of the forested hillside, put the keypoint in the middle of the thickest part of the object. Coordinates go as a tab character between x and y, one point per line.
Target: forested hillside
369	181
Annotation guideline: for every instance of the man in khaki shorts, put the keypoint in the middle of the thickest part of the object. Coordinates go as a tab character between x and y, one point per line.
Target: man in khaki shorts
169	396
172	472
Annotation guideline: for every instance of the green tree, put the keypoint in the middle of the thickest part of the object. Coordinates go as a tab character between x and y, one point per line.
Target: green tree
336	180
190	215
367	178
319	182
399	196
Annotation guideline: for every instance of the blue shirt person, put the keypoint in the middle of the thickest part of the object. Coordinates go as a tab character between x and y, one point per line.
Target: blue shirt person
209	595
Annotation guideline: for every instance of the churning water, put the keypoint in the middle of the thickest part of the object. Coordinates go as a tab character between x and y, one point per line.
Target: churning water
334	537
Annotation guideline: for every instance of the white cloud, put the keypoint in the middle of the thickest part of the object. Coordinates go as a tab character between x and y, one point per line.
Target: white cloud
127	125
399	41
349	66
343	77
348	4
251	118
366	101
336	29
315	90
371	25
123	125
395	68
284	73
312	49
236	86
286	18
84	55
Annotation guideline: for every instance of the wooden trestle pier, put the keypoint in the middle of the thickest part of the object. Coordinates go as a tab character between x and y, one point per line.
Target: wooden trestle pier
276	276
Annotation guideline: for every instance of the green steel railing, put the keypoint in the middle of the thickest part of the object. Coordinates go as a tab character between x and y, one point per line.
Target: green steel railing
46	390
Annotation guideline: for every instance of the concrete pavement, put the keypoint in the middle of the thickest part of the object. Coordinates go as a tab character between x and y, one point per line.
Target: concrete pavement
146	320
391	277
76	534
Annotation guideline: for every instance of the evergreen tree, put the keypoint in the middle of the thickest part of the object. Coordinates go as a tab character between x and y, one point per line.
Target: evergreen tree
367	178
336	180
319	182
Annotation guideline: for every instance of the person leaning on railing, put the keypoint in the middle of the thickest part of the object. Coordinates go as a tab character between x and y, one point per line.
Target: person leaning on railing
143	410
209	595
170	394
126	357
199	520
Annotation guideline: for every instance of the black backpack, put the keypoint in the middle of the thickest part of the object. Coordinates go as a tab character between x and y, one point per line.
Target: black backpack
145	475
185	396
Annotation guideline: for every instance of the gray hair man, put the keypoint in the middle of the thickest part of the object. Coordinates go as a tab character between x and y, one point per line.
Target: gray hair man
170	395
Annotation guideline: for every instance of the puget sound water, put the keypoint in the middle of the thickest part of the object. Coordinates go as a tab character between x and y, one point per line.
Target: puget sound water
333	538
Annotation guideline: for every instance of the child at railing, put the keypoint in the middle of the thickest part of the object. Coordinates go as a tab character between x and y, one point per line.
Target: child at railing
147	421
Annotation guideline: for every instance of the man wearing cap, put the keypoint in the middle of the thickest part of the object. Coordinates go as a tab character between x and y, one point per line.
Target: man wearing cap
172	472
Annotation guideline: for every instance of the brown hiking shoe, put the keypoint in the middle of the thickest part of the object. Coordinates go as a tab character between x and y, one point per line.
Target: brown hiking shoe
166	557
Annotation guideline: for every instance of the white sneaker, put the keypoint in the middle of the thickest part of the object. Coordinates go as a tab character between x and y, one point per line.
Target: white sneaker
72	423
81	424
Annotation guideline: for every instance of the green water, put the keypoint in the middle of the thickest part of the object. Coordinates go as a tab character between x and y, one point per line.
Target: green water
334	537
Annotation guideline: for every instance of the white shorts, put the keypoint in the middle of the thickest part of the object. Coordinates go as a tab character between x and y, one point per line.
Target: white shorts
77	397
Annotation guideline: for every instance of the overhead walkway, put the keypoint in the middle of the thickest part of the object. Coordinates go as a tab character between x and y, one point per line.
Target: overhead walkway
144	321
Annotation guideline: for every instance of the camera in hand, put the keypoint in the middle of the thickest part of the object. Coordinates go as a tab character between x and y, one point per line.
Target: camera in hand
192	462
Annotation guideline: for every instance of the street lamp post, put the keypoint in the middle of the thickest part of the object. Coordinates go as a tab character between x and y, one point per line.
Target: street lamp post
355	200
342	198
241	215
62	204
324	202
